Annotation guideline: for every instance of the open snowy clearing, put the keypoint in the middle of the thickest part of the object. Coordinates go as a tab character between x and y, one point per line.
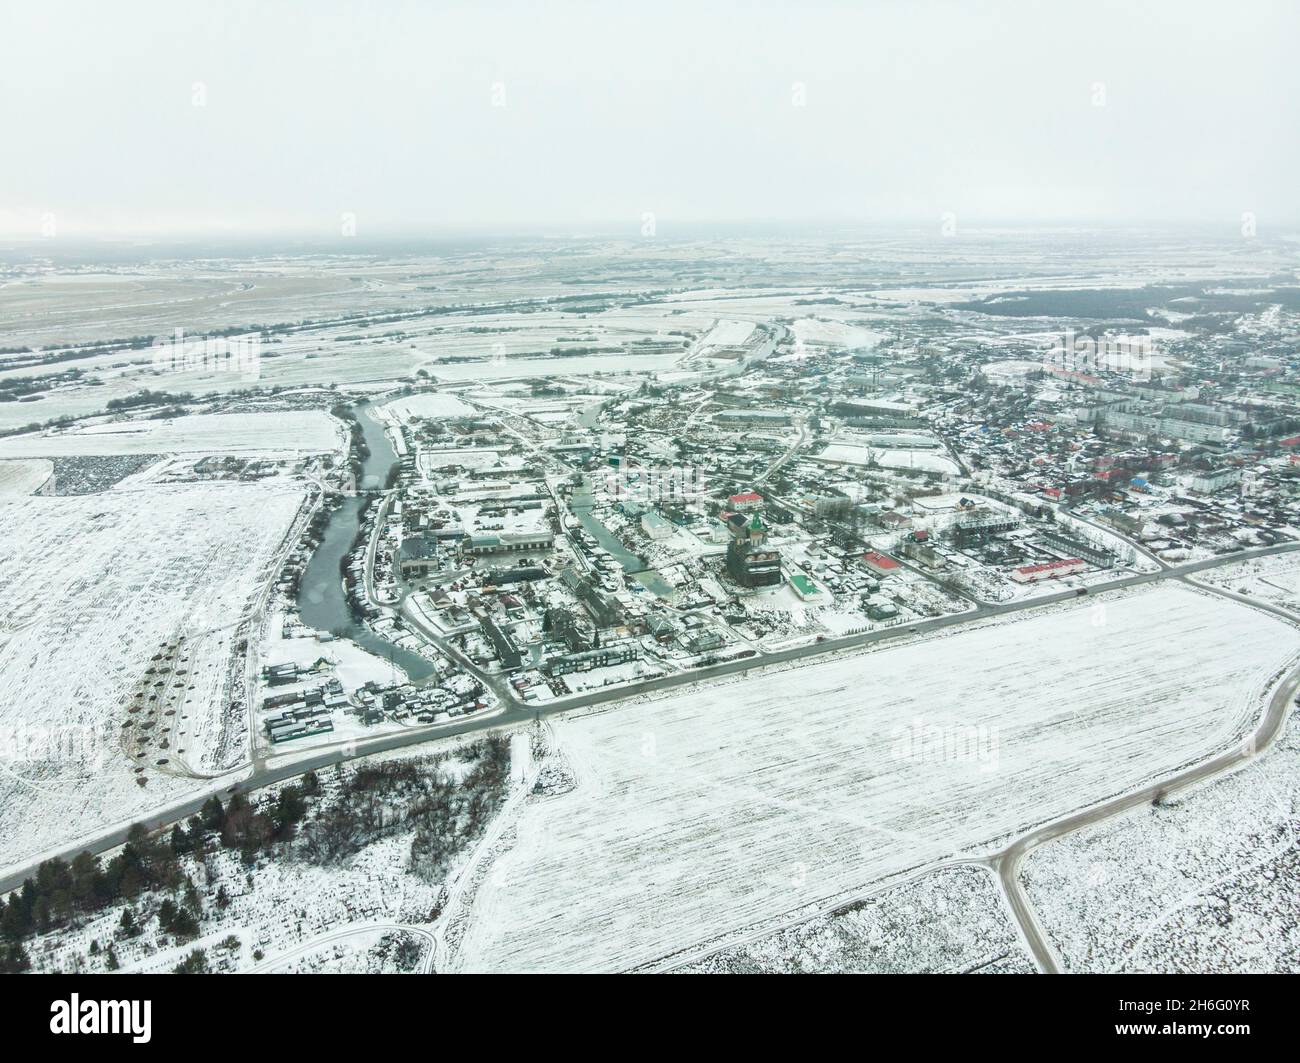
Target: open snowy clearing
310	431
718	808
97	588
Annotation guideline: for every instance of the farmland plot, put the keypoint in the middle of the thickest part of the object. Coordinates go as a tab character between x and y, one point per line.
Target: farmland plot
310	431
98	590
719	808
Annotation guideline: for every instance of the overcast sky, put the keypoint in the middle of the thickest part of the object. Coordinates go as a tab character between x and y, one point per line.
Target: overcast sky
152	118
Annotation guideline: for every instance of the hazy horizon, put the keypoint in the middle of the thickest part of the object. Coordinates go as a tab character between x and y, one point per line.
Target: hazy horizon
316	122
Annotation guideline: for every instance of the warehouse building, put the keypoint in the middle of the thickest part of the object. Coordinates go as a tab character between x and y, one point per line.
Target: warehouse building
416	557
507	543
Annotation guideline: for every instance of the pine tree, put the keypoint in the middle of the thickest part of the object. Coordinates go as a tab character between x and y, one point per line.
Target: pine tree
195	963
213	814
13	959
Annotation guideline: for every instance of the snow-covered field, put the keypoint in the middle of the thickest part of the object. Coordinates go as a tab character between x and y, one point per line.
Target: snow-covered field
1209	881
926	460
1274	579
95	587
1205	881
728	334
428	404
512	367
22	476
717	808
309	431
948	921
835	333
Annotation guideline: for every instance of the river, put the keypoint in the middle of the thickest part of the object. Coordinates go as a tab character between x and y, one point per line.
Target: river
322	601
581	503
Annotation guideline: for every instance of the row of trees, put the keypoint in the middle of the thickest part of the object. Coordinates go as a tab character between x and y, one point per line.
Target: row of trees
62	892
374	801
148	398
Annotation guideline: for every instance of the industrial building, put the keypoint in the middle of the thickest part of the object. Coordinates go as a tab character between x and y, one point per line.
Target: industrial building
416	557
752	418
507	543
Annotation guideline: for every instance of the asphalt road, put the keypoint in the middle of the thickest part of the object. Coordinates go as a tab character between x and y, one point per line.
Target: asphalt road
517	712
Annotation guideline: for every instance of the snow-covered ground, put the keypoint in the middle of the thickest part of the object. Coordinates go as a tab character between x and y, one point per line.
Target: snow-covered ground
428	404
289	910
1205	882
728	334
353	665
1274	579
22	476
363	950
307	431
948	921
96	588
716	808
925	460
835	333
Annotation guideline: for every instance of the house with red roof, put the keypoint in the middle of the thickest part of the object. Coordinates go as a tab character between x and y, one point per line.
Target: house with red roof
1048	570
880	564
